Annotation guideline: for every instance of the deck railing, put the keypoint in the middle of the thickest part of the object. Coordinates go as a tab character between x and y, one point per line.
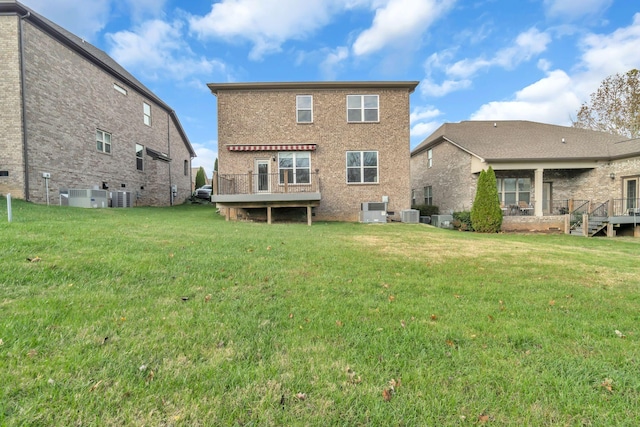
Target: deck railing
622	207
272	183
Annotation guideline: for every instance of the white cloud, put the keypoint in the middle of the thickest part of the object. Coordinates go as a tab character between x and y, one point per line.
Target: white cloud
424	129
267	24
549	100
430	88
422	113
557	97
157	49
609	54
527	45
333	62
207	154
422	123
84	19
399	21
573	9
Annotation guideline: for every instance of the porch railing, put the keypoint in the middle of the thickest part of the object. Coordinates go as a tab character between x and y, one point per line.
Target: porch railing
622	207
272	183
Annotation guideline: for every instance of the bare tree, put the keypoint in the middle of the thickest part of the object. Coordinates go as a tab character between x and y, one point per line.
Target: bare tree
614	107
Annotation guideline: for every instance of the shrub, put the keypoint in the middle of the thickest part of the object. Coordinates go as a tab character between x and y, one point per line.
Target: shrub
200	178
462	221
427	210
486	215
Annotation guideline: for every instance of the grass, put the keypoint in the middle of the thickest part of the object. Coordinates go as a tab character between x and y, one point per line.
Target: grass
172	316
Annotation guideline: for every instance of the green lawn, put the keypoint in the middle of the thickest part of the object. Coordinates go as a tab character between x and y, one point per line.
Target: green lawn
172	316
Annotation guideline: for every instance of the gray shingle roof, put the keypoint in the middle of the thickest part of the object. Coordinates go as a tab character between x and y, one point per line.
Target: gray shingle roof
523	140
93	54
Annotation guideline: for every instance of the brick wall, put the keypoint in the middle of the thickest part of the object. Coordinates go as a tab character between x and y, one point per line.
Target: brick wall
269	117
11	159
453	184
65	106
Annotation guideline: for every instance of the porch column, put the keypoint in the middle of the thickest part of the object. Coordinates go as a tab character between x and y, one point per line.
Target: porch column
538	185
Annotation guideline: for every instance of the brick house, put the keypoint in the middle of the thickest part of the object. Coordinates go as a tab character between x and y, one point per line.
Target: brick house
322	148
70	112
543	171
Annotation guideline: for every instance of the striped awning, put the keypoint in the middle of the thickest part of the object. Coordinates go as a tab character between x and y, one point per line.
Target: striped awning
283	147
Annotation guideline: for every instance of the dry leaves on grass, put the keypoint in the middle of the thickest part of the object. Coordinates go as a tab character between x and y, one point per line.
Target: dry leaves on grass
607	384
389	391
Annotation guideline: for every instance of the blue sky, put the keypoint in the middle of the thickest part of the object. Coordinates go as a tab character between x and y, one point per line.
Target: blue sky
533	60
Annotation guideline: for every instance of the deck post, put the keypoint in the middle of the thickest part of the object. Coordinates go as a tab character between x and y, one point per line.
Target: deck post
567	224
585	225
268	214
286	181
214	183
308	214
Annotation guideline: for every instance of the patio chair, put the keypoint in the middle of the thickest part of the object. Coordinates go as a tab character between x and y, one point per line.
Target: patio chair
525	208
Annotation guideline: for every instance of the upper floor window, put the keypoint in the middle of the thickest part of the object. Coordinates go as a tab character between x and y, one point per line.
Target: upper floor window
103	141
186	167
429	158
304	108
146	110
139	157
296	166
362	108
362	167
119	88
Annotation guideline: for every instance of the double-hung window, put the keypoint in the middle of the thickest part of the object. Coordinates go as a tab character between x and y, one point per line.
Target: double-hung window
304	109
362	167
146	111
296	166
362	108
139	157
428	195
429	158
514	190
103	141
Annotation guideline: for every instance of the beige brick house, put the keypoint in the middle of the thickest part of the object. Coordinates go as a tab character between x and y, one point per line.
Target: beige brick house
71	113
543	172
321	147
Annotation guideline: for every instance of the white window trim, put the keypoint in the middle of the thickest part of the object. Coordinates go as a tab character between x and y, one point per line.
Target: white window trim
362	167
362	109
141	157
294	168
146	111
104	143
298	108
429	157
119	88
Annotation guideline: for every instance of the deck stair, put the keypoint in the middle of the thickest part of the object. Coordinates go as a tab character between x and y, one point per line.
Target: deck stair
597	218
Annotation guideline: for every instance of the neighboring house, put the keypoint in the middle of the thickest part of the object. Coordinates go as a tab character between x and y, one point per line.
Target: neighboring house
71	113
320	147
542	171
194	171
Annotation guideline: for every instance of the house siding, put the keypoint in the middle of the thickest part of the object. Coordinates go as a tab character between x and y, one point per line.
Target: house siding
11	153
453	184
67	98
269	117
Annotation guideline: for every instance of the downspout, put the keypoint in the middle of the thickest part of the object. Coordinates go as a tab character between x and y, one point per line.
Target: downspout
25	151
170	161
